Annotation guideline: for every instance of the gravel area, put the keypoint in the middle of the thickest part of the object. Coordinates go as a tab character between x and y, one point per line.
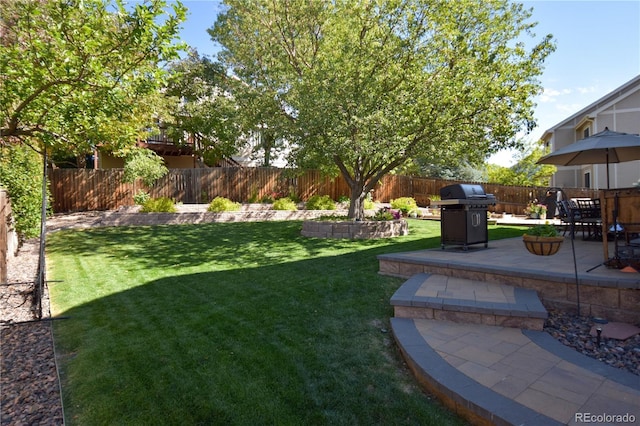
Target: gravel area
574	331
29	375
29	378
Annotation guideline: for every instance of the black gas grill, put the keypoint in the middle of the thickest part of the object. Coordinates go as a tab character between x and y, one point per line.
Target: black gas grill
463	216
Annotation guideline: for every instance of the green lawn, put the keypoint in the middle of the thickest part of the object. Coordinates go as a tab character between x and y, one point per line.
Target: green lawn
232	323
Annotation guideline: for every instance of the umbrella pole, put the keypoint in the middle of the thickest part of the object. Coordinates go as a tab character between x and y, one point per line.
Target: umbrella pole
575	264
573	247
607	168
615	227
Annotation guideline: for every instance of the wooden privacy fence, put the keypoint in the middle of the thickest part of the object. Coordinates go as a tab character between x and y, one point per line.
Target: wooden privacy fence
85	190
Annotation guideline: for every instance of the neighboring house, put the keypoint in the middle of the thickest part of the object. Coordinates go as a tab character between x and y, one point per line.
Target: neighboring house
252	154
620	112
175	156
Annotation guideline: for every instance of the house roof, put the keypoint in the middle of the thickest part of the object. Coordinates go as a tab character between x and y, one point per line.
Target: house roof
582	115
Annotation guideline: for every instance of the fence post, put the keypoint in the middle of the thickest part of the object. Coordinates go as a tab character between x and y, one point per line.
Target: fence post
8	236
4	241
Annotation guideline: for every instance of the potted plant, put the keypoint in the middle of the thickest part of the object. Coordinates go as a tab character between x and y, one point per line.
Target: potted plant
536	211
542	240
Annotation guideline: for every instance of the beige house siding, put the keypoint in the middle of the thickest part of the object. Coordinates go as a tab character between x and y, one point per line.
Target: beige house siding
180	162
107	161
620	112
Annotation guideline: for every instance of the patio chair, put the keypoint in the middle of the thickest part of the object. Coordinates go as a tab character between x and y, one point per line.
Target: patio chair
567	208
590	218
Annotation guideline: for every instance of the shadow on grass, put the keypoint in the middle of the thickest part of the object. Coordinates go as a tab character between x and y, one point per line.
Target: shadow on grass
256	325
251	244
246	346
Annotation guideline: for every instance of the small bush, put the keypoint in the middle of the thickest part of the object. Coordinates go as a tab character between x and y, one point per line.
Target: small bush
221	204
405	204
369	205
159	205
285	203
141	197
320	202
145	164
386	214
253	198
271	197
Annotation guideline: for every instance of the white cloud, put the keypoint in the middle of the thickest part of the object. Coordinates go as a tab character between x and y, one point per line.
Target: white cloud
587	90
550	95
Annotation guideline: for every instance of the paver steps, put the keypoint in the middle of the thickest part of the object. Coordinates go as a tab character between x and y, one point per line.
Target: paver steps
440	297
479	347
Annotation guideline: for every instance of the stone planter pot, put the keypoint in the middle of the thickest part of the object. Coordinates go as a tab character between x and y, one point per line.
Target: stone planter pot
542	246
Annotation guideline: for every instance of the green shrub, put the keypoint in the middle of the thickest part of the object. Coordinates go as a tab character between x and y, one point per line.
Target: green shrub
253	198
320	202
21	176
382	215
405	205
285	203
221	204
159	205
271	197
144	164
369	205
141	197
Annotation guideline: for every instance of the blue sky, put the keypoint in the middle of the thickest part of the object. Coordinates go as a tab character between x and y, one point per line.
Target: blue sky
598	50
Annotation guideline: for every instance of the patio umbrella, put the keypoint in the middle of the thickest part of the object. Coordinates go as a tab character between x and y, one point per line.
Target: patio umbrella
601	148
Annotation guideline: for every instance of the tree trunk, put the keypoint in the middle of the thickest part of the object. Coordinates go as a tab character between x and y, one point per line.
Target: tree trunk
356	206
268	142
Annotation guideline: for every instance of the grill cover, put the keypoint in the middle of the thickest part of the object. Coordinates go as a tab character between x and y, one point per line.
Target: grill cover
463	191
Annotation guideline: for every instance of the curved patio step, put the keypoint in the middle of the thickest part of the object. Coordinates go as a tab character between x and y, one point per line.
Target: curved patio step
505	376
441	297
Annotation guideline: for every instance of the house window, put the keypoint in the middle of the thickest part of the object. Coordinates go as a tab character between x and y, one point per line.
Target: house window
587	180
583	128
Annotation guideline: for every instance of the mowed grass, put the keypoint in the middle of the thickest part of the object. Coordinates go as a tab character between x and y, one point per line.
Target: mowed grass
232	323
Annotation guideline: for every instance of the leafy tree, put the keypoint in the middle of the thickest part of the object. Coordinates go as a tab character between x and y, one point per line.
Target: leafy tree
526	171
223	114
368	85
75	74
201	108
461	170
145	164
79	73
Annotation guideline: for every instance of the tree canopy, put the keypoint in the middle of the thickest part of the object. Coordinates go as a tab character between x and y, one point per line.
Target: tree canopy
78	73
526	171
367	85
201	108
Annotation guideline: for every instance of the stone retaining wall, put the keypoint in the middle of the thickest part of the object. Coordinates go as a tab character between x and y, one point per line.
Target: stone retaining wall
614	301
355	230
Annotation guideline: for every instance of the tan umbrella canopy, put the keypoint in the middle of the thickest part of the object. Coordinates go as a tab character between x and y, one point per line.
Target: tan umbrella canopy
601	148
